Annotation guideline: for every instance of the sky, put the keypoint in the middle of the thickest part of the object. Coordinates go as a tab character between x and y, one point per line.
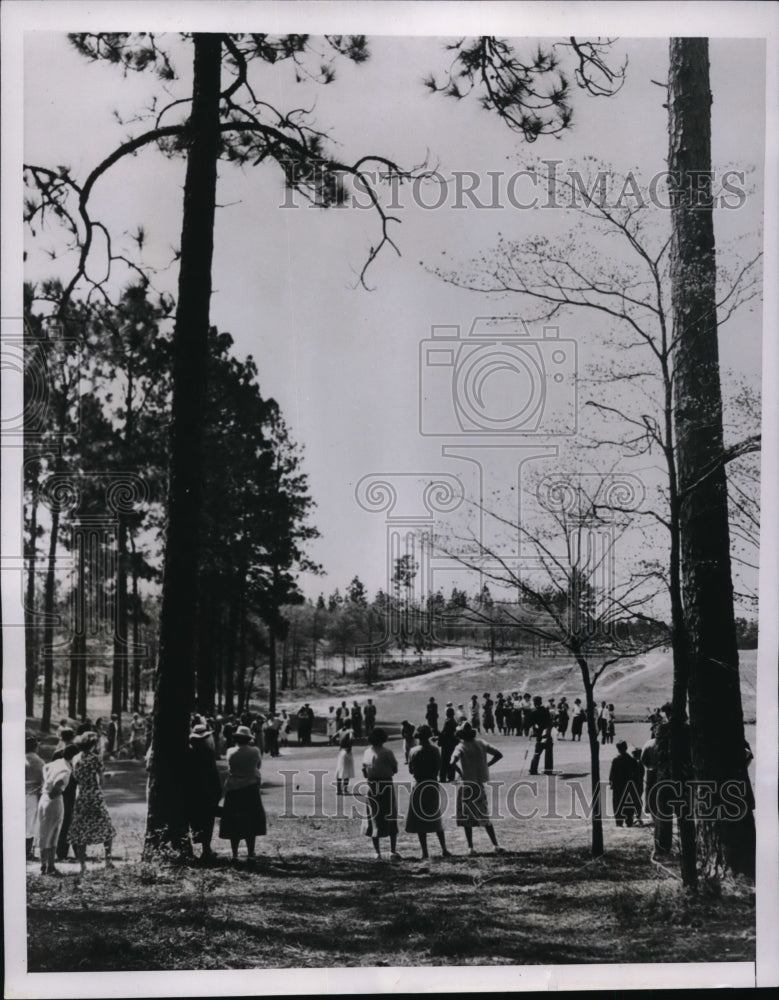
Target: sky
347	365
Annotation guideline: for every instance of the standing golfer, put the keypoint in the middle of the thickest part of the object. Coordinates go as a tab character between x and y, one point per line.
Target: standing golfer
541	719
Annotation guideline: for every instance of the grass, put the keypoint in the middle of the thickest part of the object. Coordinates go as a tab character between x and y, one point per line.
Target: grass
320	902
317	899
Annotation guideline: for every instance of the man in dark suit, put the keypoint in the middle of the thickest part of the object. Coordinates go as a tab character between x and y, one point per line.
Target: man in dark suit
431	716
541	720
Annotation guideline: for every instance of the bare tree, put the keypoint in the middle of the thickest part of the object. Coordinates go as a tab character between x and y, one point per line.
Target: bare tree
564	597
613	264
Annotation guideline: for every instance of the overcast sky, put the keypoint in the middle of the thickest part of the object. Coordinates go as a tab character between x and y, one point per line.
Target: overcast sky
344	362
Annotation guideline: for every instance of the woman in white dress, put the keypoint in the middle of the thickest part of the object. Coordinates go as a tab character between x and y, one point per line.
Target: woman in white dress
331	727
344	770
33	776
51	809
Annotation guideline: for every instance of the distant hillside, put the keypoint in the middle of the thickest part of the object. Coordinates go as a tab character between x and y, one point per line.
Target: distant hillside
636	686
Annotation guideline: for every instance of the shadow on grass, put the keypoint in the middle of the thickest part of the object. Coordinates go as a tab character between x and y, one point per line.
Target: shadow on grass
529	907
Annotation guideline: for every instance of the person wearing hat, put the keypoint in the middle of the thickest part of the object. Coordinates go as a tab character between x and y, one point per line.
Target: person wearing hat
487	716
332	728
270	731
91	823
431	715
51	809
541	719
344	768
424	811
243	815
379	766
475	713
369	715
447	741
356	717
526	715
624	781
285	726
204	789
472	760
67	738
500	711
407	731
563	716
112	736
137	737
33	779
305	722
102	741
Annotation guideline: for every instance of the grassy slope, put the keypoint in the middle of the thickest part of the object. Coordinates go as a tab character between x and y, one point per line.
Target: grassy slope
308	909
318	899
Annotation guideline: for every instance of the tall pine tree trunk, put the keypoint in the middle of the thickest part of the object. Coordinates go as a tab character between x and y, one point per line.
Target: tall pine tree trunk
119	687
271	668
232	642
242	706
31	632
679	740
285	664
206	670
136	605
76	692
48	628
166	817
73	678
80	644
716	716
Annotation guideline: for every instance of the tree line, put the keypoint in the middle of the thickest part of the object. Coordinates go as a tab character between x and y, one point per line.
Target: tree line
95	495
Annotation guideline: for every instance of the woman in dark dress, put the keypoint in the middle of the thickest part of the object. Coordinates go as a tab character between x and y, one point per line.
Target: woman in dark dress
424	812
563	717
508	717
204	788
91	823
243	816
356	721
447	741
488	719
500	712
